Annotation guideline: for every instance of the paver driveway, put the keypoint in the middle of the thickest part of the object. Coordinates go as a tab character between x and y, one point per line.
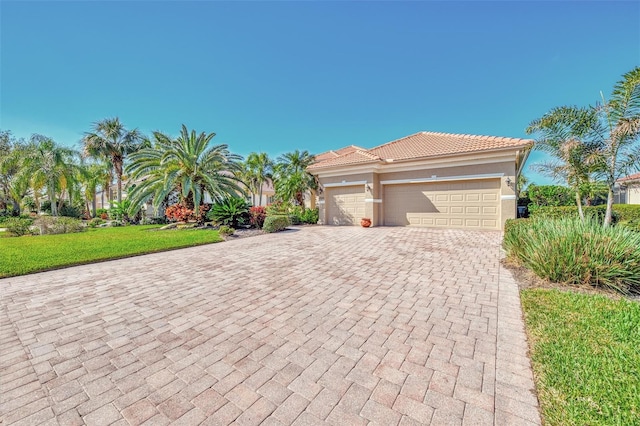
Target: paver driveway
321	325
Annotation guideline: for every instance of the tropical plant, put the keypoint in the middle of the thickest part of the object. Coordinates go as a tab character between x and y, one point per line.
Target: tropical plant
233	211
112	142
17	226
617	133
178	213
563	133
257	170
187	165
120	211
291	177
257	214
572	251
45	164
92	177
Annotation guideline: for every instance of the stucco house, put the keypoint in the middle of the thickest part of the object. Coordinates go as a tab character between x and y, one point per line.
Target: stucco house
426	179
627	190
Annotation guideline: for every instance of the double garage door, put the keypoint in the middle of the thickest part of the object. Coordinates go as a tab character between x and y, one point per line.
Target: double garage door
460	204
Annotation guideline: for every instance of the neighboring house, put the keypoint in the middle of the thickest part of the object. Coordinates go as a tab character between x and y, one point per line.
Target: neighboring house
426	179
268	192
627	190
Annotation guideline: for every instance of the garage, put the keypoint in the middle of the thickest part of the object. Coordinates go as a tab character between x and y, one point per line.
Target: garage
345	205
463	204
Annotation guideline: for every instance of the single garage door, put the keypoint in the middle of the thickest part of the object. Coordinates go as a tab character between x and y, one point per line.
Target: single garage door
460	204
345	205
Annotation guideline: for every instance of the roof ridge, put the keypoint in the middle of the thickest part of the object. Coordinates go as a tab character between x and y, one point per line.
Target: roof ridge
470	136
367	153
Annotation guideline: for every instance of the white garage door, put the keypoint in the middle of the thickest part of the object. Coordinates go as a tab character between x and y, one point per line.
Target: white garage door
345	205
460	204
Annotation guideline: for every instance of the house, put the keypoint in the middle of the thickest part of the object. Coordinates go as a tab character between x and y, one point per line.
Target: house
627	190
426	179
268	192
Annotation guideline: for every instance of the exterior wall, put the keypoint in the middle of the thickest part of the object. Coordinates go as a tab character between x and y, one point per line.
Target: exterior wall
633	195
373	186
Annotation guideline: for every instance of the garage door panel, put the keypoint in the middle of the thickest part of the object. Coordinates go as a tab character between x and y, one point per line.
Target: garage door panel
345	205
466	204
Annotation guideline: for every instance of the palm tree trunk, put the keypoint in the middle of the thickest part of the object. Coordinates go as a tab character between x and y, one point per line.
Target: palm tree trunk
119	188
52	199
260	196
93	204
579	203
609	212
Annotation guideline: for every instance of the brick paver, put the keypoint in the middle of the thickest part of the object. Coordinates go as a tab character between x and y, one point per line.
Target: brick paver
320	325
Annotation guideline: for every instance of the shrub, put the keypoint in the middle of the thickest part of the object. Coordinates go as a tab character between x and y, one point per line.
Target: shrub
178	213
276	223
311	216
295	215
279	208
633	224
18	226
225	231
58	225
256	216
595	212
233	212
627	212
159	220
71	211
95	222
120	211
549	195
570	251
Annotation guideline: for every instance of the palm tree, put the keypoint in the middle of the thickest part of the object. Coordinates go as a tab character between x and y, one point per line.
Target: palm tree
93	176
617	133
564	133
258	170
187	165
292	178
48	165
111	141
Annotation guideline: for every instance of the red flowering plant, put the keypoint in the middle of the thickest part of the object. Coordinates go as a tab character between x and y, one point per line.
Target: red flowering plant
257	215
178	212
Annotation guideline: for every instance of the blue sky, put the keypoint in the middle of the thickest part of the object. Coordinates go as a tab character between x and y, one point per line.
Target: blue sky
278	76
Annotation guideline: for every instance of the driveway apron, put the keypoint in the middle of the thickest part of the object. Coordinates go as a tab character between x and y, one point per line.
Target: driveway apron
317	325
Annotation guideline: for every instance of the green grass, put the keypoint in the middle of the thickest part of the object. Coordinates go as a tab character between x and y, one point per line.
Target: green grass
586	357
24	255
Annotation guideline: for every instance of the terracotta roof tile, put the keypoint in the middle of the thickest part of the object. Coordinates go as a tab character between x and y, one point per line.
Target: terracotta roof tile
337	153
431	144
635	176
416	146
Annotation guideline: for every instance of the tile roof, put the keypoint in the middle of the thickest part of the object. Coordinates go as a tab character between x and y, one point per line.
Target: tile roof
337	153
420	145
635	176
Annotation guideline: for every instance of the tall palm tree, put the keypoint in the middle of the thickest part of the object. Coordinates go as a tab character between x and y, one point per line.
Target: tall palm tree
292	178
259	168
48	165
564	133
186	164
617	133
110	140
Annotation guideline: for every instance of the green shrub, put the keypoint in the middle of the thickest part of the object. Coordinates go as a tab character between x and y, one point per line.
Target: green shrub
621	212
276	223
549	195
633	224
58	225
570	251
279	208
311	216
225	231
627	212
71	211
159	220
18	226
120	211
233	211
96	221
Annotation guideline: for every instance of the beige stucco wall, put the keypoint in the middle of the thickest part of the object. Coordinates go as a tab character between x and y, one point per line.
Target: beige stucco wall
633	195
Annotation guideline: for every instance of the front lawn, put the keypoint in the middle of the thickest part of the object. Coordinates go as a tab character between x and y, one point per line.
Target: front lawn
585	351
24	255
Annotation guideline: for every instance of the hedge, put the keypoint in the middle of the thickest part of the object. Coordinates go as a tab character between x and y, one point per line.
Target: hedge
621	212
276	223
